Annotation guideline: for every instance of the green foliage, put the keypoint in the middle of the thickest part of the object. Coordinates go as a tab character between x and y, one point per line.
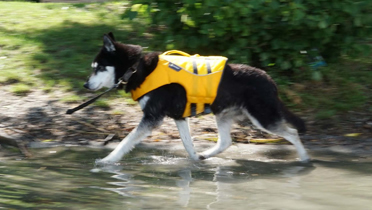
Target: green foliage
261	32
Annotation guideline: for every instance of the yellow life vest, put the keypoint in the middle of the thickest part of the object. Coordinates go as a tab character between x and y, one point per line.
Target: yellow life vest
199	75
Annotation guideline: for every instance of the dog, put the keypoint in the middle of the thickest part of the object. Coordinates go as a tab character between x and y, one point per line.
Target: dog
244	91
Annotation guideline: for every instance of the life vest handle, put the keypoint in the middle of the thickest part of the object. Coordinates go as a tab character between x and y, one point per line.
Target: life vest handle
178	52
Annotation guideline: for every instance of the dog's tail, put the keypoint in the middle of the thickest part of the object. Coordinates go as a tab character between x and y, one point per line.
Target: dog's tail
294	120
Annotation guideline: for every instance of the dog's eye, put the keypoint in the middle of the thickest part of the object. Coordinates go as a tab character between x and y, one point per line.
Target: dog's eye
100	68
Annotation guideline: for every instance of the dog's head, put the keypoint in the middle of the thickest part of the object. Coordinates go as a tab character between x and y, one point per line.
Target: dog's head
111	63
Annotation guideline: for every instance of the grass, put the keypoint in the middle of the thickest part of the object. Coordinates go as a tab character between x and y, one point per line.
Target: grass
127	96
117	112
20	89
102	103
71	99
50	46
57	42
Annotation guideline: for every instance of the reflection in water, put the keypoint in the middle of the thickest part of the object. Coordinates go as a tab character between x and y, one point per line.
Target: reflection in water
158	180
215	182
184	184
124	186
219	188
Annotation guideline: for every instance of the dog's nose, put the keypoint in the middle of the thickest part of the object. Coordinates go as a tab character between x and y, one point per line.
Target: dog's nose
86	85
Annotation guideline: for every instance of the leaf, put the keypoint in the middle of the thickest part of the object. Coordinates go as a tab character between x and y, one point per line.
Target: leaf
267	141
353	134
298	63
131	15
285	65
211	139
47	140
264	56
322	24
298	14
136	7
357	21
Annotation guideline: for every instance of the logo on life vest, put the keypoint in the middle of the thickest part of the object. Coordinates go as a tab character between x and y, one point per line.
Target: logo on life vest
174	66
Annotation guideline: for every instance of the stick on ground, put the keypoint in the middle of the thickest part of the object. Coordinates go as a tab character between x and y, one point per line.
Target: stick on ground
8	140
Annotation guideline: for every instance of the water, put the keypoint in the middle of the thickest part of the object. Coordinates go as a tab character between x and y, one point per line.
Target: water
66	178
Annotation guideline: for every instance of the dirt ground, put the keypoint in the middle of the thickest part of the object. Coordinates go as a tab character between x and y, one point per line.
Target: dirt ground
41	117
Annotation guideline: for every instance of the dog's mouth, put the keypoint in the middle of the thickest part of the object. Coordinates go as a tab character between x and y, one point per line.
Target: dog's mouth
87	86
98	87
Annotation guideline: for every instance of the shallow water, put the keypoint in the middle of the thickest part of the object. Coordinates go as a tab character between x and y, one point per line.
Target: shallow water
66	178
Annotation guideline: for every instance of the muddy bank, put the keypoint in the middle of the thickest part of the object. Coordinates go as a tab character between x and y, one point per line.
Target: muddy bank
40	117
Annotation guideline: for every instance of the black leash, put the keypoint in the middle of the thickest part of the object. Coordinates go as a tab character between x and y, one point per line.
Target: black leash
70	111
122	80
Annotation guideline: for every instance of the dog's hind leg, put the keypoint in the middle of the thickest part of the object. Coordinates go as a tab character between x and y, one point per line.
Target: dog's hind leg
280	128
144	129
292	136
184	130
224	122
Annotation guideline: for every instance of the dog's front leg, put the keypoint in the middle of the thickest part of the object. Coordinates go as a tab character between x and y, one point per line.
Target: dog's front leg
183	128
134	137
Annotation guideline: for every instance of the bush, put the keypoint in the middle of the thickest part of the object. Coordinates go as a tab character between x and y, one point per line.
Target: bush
260	32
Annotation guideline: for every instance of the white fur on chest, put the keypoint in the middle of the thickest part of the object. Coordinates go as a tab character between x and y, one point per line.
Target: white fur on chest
143	101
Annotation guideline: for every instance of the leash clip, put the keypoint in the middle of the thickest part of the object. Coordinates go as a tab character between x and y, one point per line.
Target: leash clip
124	79
121	81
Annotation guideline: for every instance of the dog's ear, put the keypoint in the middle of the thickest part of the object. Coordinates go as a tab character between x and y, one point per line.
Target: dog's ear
111	35
135	49
108	43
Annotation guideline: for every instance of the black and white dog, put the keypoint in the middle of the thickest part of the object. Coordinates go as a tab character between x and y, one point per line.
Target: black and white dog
243	91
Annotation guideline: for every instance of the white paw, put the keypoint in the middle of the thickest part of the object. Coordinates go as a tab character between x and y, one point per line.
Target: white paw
106	161
203	156
305	158
196	157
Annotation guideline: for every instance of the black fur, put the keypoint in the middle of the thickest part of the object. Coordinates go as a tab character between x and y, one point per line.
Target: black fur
241	86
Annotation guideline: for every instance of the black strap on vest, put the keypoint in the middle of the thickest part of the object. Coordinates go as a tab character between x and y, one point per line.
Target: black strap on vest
193	109
209	69
193	105
194	66
207	109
